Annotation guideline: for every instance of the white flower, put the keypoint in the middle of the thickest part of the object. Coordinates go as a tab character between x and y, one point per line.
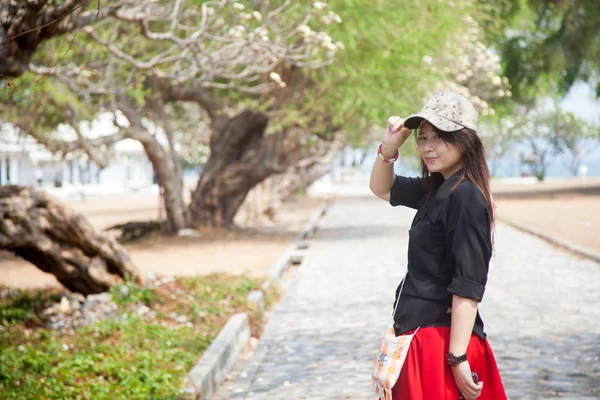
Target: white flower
325	20
238	6
508	93
496	80
427	60
257	16
275	76
339	45
210	11
319	5
460	77
304	29
323	37
245	16
334	17
237	31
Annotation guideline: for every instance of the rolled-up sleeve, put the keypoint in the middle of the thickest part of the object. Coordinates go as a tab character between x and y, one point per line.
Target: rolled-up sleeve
408	192
469	247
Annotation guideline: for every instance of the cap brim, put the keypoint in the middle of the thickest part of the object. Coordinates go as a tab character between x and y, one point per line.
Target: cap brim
444	124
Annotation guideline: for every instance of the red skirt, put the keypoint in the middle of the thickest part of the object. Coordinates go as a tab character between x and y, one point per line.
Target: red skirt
426	375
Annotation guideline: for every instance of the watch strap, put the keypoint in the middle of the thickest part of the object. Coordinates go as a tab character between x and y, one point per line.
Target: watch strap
454	360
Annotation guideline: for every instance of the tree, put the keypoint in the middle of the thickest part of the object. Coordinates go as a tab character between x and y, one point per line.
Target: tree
26	24
170	59
547	45
500	138
576	142
550	133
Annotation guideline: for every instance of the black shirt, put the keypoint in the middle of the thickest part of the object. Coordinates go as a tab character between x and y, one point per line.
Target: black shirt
449	251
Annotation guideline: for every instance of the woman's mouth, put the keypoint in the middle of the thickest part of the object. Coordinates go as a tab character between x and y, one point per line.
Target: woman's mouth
430	159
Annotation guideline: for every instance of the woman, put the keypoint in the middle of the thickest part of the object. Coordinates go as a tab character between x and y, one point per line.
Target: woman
449	250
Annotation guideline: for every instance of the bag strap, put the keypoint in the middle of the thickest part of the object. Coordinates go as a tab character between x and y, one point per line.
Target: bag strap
399	294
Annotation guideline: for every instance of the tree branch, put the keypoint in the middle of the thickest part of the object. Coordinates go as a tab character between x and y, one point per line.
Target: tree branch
194	93
88	146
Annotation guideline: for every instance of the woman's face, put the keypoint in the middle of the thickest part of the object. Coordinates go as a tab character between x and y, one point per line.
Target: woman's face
438	155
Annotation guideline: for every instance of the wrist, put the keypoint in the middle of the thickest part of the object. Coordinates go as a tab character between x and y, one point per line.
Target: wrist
454	360
388	151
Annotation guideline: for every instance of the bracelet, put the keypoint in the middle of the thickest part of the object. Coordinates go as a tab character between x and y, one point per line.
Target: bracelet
387	160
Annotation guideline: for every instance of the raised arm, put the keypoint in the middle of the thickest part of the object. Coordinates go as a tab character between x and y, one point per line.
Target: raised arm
382	174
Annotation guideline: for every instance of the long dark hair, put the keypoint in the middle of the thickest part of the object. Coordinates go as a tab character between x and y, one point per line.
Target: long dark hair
474	169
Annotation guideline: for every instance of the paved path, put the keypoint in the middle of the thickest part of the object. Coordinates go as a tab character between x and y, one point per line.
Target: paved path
541	308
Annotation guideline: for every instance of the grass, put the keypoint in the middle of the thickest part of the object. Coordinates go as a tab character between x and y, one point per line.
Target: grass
126	356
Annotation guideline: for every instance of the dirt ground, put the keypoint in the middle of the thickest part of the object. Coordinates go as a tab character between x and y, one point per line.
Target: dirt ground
248	252
575	218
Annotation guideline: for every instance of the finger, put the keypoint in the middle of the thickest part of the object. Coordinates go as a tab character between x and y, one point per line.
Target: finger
391	122
480	388
397	125
473	394
471	390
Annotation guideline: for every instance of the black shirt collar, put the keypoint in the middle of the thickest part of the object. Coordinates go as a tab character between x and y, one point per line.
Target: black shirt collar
444	190
436	203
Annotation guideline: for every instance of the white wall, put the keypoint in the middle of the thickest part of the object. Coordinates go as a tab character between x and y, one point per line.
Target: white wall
15	169
133	170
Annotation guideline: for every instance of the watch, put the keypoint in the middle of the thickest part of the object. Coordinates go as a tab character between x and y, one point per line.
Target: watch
454	360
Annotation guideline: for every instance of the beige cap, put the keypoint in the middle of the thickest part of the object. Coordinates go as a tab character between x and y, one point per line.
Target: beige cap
447	111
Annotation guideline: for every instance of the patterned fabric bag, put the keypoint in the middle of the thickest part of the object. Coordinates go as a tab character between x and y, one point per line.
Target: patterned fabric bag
390	358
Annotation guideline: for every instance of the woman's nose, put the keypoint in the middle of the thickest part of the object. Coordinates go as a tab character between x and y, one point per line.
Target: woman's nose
428	146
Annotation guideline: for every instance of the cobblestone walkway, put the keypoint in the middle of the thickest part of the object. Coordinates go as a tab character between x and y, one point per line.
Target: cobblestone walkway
541	308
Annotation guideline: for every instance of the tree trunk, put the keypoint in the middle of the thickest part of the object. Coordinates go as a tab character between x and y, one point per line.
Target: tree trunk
169	180
59	241
169	184
277	189
24	25
241	157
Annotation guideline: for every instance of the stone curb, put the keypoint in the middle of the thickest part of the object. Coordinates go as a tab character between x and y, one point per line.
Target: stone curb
555	241
220	356
295	253
223	352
